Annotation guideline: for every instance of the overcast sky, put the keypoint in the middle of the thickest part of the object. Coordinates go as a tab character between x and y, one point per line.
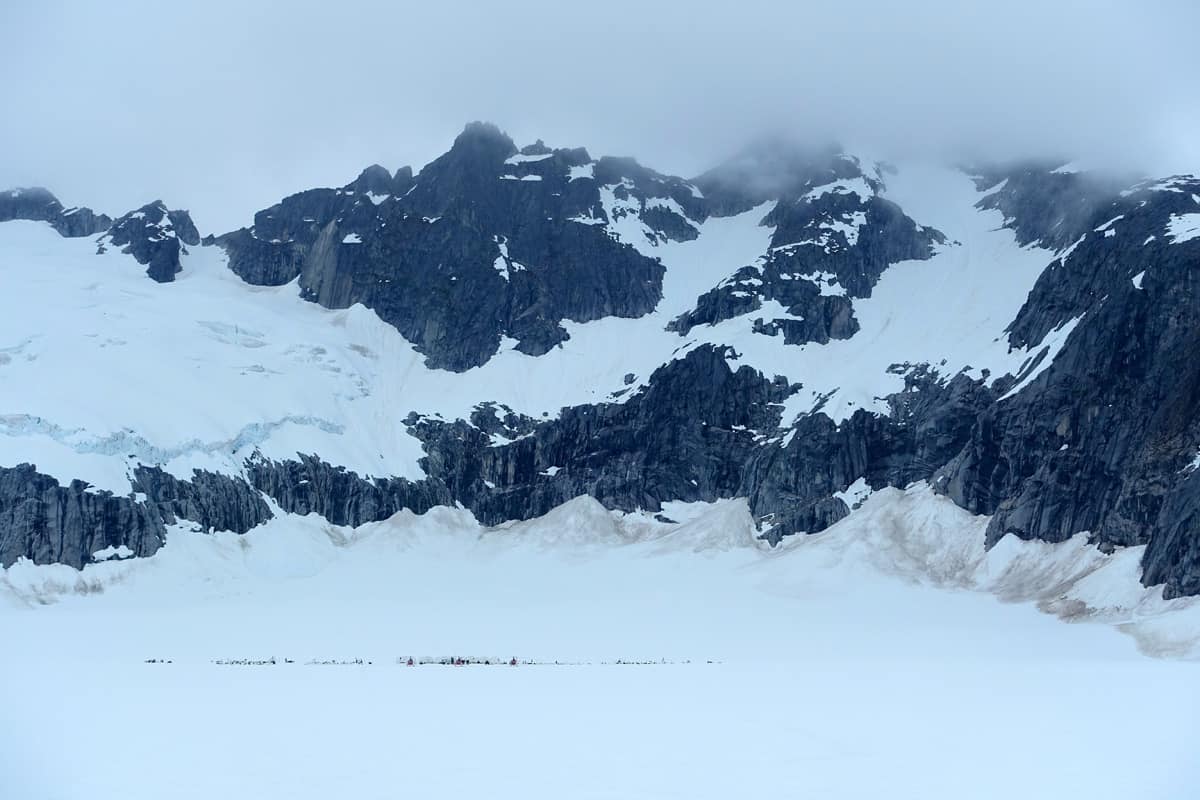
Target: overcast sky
224	107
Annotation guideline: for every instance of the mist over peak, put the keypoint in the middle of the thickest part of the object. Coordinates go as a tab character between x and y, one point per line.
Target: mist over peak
303	98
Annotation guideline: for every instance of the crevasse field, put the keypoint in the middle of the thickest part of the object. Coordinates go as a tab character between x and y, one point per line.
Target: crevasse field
889	656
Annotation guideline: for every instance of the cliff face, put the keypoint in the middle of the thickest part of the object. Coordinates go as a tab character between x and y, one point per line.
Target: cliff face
48	523
53	524
487	242
41	205
154	236
1104	439
1083	418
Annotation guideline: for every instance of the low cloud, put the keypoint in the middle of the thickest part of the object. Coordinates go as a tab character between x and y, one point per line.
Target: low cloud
224	107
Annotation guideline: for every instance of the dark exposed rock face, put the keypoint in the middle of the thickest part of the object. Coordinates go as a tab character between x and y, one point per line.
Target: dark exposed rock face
486	242
339	495
700	430
791	485
489	241
48	523
1173	555
152	234
41	205
686	436
1101	441
155	236
1043	205
217	502
831	243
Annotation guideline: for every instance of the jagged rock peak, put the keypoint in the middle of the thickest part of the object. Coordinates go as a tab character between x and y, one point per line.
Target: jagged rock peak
33	196
1045	202
379	184
374	179
154	235
552	234
161	222
538	148
482	140
40	205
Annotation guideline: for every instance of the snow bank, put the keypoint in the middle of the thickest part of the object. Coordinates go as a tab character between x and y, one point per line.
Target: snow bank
869	658
914	535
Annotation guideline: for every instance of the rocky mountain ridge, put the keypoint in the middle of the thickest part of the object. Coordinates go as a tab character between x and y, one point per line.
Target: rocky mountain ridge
493	248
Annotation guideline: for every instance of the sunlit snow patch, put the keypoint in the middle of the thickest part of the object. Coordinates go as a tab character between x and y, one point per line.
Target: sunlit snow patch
1183	227
1043	356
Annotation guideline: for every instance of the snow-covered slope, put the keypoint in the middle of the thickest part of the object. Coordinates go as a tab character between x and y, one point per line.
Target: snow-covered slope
202	372
839	451
894	538
860	650
106	369
509	329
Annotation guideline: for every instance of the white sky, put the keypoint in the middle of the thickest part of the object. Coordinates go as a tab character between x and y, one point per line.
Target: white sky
224	107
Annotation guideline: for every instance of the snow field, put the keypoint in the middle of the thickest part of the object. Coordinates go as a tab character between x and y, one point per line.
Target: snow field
868	660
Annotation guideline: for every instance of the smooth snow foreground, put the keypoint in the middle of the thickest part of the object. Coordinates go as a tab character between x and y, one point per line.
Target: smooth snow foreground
852	663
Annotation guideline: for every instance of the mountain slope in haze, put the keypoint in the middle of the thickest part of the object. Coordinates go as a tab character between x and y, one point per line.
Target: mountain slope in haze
511	328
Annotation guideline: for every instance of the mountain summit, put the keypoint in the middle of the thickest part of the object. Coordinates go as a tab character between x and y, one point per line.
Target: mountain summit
510	328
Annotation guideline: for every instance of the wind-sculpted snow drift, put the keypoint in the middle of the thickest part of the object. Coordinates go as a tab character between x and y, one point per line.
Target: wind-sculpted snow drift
509	329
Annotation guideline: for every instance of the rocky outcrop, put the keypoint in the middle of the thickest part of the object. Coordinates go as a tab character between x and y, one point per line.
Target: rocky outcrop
1046	204
49	523
214	501
155	237
1100	441
487	242
312	486
1173	553
792	484
41	205
701	429
53	524
685	436
831	243
1098	430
